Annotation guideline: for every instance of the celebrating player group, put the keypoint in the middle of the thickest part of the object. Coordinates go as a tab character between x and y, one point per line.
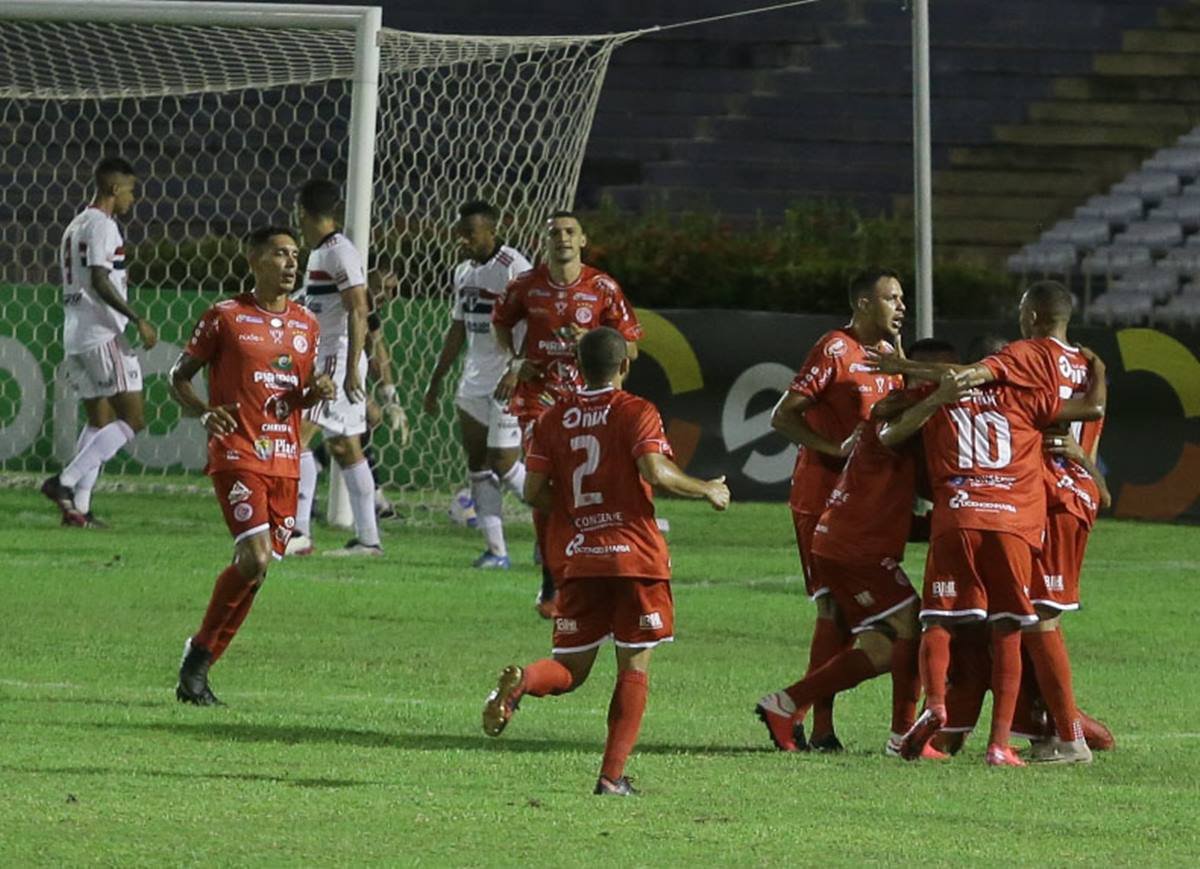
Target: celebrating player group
1004	447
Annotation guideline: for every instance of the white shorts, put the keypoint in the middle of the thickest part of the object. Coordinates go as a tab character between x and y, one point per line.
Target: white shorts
340	417
504	433
108	369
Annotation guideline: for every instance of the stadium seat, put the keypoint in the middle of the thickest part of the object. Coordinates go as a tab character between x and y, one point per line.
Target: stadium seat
1107	262
1117	210
1121	309
1182	260
1184	210
1156	235
1184	162
1151	187
1190	140
1083	234
1159	284
1045	259
1183	309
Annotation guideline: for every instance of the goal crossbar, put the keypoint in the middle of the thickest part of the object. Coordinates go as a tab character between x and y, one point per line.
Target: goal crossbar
182	12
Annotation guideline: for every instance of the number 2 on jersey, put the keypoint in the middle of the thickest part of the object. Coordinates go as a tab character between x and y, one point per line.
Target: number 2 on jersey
984	439
591	446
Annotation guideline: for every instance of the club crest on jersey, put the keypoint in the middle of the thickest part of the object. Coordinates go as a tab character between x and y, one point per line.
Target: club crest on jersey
583	316
560	307
836	347
242	512
300	343
276	335
240	492
283	362
264	448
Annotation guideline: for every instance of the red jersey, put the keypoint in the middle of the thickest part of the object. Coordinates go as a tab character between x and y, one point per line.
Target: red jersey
594	299
259	360
1070	487
603	516
985	453
837	376
869	511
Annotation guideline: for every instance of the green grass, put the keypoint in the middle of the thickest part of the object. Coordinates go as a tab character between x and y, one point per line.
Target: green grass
352	736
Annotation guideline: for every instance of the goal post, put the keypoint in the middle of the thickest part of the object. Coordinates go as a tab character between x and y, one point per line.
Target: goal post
225	109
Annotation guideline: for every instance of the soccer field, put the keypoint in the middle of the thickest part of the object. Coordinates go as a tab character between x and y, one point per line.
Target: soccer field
352	731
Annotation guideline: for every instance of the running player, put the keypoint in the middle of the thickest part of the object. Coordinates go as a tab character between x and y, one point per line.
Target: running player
592	460
260	349
491	436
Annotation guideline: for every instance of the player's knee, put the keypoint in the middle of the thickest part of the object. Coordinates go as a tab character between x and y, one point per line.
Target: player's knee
500	461
877	646
905	624
252	560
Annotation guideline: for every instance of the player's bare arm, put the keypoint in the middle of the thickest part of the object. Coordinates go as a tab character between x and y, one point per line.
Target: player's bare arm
452	344
951	387
109	295
519	369
788	419
1091	405
538	491
1066	446
218	420
354	299
662	473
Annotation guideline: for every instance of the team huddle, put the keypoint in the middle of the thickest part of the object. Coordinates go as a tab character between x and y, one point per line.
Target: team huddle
1004	448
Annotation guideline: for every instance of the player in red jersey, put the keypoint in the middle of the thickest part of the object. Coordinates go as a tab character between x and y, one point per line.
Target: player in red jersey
591	462
559	301
831	395
857	548
985	463
259	348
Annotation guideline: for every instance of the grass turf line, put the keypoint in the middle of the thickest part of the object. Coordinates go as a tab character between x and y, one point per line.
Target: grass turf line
352	731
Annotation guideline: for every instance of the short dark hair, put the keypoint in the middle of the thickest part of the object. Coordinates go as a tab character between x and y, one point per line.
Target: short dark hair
863	283
564	213
1051	300
480	207
110	166
600	353
985	345
260	237
932	347
321	197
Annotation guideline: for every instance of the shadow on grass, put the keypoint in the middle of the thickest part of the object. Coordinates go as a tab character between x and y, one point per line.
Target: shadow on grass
192	776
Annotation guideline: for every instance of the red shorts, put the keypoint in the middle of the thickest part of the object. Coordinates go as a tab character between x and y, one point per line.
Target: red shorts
253	503
636	613
1055	582
978	574
865	592
806	526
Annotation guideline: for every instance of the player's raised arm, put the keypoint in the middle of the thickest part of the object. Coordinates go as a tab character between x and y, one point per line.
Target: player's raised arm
1091	405
662	473
951	387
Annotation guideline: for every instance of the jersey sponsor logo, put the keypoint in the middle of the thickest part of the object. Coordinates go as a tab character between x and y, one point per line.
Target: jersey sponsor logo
585	297
232	456
1053	581
984	481
558	348
864	599
583	316
275	427
242	512
278	407
248	318
604	285
1074	373
282	362
560	307
860	368
577	547
650	621
300	343
238	493
566	626
945	588
539	293
575	417
297	324
599	520
836	347
277	322
72	298
277	379
264	448
286	448
245	336
960	500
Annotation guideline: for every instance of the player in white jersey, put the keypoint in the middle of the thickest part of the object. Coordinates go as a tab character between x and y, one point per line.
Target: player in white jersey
335	290
99	361
491	436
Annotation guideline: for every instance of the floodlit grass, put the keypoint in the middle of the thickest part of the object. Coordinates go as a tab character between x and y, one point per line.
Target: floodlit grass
352	734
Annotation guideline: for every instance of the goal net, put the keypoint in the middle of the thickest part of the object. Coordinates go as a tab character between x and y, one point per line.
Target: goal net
223	124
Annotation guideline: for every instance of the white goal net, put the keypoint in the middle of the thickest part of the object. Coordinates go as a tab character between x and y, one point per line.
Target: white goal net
223	124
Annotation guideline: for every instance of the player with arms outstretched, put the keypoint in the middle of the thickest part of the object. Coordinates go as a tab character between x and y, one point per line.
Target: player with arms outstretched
592	461
99	362
260	349
558	301
831	395
491	436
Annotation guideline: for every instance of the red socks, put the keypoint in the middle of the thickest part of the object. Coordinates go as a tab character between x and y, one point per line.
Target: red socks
625	712
828	640
840	674
241	609
1048	651
1006	682
546	676
906	683
231	593
935	664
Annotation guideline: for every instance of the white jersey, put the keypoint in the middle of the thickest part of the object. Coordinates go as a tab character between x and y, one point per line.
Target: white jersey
333	266
91	239
477	288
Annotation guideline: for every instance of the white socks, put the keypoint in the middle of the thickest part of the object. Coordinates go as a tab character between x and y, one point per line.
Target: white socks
361	486
489	498
83	488
101	447
307	491
514	480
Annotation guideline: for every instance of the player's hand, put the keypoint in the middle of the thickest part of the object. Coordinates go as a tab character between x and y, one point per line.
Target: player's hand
717	493
504	389
397	421
429	403
572	332
352	388
220	420
324	388
147	333
845	447
953	385
1094	361
527	371
1065	446
885	363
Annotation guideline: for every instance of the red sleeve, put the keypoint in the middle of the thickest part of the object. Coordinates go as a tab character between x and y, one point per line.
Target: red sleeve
1044	405
511	309
537	456
618	314
1020	364
203	343
648	435
819	369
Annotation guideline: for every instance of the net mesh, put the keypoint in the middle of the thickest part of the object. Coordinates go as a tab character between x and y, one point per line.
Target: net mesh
223	124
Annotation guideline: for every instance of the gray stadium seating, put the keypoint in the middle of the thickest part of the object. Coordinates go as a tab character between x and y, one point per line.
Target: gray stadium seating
1118	211
1152	187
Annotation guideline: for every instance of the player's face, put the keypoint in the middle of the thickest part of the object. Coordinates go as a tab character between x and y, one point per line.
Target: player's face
565	239
887	306
124	193
477	236
277	264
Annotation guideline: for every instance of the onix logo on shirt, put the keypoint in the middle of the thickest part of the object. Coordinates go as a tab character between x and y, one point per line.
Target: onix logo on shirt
945	588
